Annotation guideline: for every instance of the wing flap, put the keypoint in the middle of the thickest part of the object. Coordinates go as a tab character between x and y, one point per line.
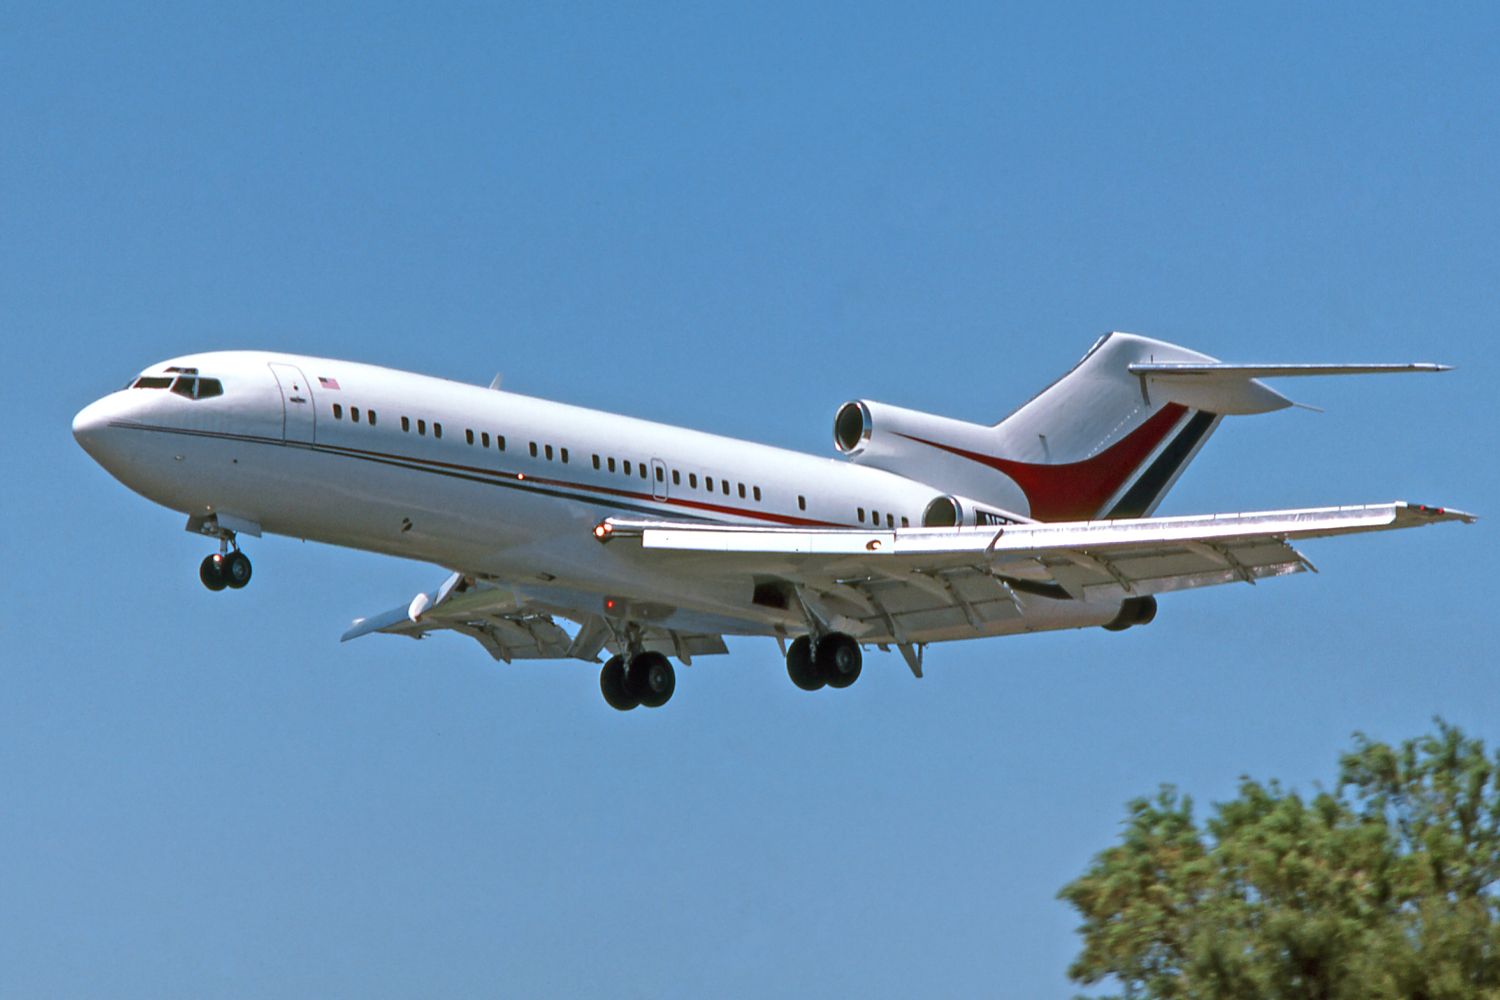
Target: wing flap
910	580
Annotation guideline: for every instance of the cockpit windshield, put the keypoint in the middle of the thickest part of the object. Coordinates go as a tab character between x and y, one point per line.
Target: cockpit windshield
194	387
184	382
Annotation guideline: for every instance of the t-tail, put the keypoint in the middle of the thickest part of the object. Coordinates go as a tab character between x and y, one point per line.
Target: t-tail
1107	440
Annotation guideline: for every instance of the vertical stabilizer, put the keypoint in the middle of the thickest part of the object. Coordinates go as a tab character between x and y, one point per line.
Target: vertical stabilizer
1097	443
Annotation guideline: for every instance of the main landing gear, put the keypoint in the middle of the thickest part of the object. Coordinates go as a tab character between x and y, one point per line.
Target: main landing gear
646	679
834	660
225	568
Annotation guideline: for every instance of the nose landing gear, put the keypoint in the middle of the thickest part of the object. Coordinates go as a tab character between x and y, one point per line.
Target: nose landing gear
225	568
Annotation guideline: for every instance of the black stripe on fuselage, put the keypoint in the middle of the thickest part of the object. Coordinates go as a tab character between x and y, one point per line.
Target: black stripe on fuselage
612	499
1140	497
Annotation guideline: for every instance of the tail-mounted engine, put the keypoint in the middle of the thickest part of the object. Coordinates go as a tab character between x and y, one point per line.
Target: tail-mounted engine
950	454
956	512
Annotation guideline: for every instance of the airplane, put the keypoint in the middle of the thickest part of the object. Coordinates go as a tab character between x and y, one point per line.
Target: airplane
655	542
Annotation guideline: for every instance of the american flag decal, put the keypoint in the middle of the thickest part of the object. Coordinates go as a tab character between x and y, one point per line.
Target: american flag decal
328	383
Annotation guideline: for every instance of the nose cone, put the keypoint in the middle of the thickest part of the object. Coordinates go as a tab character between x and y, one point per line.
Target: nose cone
90	425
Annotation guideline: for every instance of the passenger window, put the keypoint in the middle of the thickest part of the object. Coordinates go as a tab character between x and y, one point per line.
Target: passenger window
643	470
338	411
437	429
627	467
548	449
421	426
469	435
801	502
406	424
874	517
370	417
676	478
500	441
564	453
861	514
354	414
725	483
611	464
484	439
708	483
905	523
596	461
742	491
890	520
693	480
757	494
533	449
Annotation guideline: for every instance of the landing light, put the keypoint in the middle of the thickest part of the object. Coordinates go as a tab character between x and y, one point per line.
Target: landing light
603	530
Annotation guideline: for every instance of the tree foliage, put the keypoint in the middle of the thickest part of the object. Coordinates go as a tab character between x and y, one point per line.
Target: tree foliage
1386	887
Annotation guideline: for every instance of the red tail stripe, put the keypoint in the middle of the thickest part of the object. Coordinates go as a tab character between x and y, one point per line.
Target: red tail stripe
1076	491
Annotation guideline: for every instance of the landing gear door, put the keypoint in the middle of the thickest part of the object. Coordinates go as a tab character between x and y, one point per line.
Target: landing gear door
298	419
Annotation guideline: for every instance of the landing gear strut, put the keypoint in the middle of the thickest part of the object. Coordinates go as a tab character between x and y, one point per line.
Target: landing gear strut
225	568
646	679
834	660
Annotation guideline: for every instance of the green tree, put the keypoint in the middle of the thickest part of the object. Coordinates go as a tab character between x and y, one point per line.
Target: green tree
1384	888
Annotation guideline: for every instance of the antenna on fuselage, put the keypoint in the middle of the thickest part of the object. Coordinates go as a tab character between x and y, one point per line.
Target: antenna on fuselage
495	382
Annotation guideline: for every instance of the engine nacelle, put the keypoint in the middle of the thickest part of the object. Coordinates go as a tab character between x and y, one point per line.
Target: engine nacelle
961	512
948	453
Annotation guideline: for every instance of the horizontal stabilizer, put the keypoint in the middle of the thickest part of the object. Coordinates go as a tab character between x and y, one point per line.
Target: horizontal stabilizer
1235	389
1279	371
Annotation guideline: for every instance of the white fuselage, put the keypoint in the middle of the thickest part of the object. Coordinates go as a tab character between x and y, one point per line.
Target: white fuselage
486	482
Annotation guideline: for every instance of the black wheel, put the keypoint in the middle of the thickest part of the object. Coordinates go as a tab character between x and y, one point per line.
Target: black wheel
612	683
800	667
838	659
1133	611
236	570
652	679
211	572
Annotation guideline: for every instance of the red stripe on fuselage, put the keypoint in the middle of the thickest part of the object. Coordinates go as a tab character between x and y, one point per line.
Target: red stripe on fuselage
1077	491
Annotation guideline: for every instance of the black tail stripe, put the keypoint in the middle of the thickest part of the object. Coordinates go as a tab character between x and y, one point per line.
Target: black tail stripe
1138	499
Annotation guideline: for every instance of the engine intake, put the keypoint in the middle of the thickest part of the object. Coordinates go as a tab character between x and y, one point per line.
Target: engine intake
955	512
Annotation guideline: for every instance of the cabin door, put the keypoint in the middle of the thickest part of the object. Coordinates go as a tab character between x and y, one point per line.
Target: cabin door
298	420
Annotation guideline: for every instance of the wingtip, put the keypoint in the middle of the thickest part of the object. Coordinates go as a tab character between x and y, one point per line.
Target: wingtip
1441	513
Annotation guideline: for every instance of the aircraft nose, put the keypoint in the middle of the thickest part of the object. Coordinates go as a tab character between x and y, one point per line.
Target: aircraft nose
89	426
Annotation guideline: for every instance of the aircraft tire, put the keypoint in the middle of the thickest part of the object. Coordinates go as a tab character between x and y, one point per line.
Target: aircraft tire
612	684
652	679
211	572
1133	611
838	659
236	570
800	667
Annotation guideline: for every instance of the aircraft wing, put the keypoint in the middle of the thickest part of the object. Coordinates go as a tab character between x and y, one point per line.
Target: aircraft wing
924	584
510	626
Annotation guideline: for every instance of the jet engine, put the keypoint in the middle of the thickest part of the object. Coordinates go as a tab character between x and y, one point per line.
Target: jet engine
960	512
950	454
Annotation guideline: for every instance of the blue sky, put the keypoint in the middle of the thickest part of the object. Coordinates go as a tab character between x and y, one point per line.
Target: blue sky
734	219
